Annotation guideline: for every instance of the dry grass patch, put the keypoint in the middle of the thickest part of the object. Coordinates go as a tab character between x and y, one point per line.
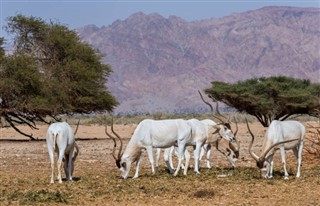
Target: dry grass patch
25	177
313	138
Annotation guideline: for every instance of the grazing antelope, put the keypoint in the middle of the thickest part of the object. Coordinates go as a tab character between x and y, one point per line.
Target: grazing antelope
61	139
290	135
151	134
212	132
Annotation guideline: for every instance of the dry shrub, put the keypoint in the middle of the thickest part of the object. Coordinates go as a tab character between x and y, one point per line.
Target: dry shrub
204	194
313	138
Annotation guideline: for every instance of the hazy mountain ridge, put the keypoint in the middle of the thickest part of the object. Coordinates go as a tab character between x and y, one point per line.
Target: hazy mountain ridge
159	63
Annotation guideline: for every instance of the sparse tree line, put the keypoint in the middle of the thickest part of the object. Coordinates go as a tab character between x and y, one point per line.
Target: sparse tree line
51	73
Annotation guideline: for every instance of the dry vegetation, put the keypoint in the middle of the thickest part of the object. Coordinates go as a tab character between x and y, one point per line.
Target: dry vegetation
313	137
25	176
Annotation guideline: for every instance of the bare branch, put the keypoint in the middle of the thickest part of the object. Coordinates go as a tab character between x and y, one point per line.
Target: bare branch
75	132
15	128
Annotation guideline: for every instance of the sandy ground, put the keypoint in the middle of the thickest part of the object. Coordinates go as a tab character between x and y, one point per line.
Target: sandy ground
22	162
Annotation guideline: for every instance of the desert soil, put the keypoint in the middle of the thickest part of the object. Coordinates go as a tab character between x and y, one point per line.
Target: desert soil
25	171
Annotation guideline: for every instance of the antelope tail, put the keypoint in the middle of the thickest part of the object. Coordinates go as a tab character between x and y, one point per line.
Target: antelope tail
54	138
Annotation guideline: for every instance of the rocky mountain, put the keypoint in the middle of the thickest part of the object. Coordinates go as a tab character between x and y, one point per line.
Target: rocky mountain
160	63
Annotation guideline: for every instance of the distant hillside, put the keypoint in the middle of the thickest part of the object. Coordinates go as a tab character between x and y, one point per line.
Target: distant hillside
159	63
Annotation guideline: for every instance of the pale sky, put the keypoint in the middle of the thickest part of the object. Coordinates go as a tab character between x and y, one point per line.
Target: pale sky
77	13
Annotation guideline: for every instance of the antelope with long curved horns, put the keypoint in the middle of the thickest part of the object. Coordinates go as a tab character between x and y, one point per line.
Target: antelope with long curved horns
289	135
151	134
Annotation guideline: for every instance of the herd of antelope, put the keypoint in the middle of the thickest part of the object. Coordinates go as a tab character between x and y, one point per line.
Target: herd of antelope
173	136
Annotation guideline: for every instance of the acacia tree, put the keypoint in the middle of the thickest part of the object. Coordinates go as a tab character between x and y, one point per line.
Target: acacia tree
50	72
272	98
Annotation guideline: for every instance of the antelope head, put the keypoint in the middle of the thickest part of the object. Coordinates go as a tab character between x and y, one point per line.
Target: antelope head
223	127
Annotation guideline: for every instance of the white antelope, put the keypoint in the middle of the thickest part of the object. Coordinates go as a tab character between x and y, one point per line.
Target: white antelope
151	134
210	132
202	133
290	135
214	135
60	138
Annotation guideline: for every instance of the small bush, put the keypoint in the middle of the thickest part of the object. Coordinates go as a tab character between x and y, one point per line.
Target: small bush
45	196
204	194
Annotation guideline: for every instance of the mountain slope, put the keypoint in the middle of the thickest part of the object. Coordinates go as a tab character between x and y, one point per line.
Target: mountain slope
160	63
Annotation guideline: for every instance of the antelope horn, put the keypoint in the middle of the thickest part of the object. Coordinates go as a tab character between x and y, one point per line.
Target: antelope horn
262	157
217	147
207	103
235	133
218	112
234	149
217	107
75	132
253	155
211	108
118	136
76	152
114	141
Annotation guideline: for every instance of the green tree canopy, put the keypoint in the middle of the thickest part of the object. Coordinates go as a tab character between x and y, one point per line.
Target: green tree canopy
272	98
50	72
